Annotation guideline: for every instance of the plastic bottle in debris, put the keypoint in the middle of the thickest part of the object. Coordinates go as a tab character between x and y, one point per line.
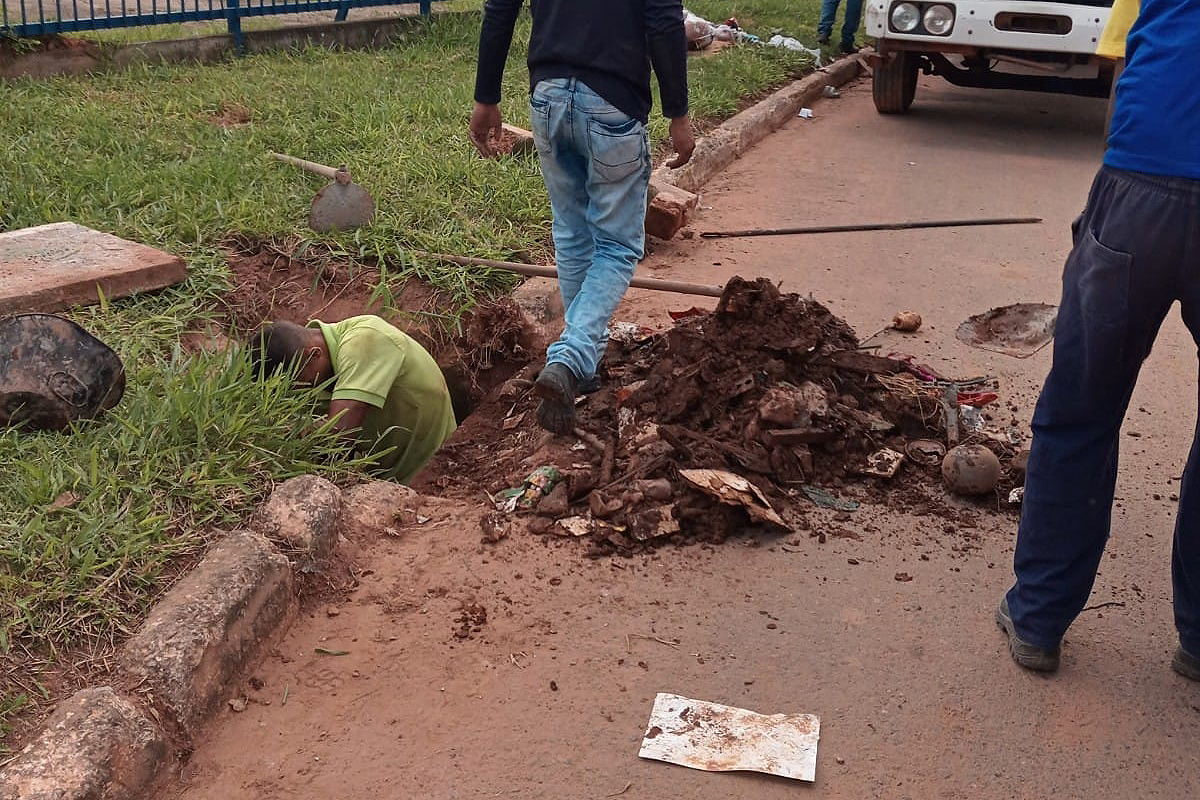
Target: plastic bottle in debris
788	43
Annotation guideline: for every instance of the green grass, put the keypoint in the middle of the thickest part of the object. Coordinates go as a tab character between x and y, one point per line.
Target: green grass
194	445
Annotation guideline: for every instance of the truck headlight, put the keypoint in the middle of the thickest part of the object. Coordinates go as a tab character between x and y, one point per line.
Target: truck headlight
939	19
905	17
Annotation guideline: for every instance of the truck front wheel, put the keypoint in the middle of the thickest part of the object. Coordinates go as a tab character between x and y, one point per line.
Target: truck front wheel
895	83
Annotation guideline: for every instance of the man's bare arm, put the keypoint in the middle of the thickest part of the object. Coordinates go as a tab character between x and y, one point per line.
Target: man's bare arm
347	416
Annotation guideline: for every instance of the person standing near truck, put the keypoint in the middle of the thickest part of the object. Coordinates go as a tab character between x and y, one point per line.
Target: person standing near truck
854	10
1134	256
589	69
1112	45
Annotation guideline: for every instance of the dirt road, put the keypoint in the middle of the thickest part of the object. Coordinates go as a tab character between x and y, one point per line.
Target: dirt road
917	697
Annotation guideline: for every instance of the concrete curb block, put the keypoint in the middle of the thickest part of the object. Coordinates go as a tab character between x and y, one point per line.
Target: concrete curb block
302	513
78	57
735	136
102	744
97	744
208	627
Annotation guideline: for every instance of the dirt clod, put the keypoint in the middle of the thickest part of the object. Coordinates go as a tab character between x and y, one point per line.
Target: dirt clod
495	526
230	115
906	321
971	469
470	620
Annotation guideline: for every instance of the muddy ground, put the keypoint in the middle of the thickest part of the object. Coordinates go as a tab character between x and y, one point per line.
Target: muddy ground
281	281
523	668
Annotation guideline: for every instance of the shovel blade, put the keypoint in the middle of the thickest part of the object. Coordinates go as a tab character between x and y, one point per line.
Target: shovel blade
340	207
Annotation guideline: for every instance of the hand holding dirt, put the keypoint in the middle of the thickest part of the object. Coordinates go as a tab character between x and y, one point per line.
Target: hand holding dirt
485	126
682	140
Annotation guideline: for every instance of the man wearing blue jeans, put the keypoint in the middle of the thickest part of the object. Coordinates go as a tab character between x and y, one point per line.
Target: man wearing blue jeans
589	69
1136	253
849	26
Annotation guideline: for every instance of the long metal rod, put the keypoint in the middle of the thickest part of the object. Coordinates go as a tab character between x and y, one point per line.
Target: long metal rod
878	226
535	270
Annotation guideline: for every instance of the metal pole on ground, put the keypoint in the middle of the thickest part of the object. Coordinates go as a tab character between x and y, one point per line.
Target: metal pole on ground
874	226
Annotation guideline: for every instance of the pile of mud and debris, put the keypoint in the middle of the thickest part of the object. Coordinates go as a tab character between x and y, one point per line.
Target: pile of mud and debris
742	418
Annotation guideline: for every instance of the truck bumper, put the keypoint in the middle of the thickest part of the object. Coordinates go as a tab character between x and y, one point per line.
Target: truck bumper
997	25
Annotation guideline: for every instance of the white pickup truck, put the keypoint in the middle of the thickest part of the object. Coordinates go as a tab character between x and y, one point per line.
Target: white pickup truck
999	44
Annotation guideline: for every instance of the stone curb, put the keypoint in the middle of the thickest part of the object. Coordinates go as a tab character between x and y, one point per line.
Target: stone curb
78	57
207	628
97	744
735	136
119	743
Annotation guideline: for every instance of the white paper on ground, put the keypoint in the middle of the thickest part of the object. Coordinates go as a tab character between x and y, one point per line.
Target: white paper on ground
717	738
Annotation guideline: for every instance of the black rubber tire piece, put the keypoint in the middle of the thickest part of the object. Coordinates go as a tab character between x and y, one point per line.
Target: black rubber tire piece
895	83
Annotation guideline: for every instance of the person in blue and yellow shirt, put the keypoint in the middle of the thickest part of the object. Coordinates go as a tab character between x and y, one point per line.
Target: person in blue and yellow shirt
1134	257
1112	43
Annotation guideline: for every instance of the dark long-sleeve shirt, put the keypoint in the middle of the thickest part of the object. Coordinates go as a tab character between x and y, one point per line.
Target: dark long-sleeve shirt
610	45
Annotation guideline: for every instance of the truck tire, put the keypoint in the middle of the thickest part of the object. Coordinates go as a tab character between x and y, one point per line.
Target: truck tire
895	83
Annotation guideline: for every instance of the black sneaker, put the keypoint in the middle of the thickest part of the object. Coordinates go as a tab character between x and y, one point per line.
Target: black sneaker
822	38
556	385
1186	664
848	48
590	386
1027	655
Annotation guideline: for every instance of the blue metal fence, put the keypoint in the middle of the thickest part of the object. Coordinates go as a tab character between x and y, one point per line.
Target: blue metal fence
43	17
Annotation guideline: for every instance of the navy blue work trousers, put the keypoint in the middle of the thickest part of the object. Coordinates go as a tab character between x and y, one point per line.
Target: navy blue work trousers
1137	251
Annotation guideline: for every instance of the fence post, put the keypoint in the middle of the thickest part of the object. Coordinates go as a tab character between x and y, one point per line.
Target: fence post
426	7
233	19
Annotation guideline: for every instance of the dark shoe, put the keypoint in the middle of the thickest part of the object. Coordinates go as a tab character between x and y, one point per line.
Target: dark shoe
822	38
848	48
590	386
1027	655
556	385
1186	664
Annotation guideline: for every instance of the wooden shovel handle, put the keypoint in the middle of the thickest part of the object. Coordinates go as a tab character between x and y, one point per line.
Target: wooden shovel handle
537	270
311	166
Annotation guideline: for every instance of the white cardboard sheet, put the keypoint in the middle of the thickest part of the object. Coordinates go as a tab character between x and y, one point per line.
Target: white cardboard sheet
717	738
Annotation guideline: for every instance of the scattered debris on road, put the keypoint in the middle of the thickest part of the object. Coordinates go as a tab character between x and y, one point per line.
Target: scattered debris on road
1017	330
730	421
906	322
470	620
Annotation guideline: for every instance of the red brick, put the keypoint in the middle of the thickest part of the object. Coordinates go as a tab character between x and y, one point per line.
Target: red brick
669	210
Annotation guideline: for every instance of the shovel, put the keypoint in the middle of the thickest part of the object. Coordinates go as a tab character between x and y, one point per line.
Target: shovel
340	206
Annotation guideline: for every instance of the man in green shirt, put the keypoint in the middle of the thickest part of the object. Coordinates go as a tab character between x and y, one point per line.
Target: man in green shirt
387	391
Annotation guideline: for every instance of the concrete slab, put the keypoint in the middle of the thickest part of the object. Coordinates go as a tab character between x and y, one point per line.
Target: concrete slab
59	266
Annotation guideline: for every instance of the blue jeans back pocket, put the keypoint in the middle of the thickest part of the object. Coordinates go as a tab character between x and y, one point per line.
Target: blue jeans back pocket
618	149
539	122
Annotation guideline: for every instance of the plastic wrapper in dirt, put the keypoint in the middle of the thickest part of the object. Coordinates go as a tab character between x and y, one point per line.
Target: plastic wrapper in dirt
971	418
788	43
526	496
699	31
